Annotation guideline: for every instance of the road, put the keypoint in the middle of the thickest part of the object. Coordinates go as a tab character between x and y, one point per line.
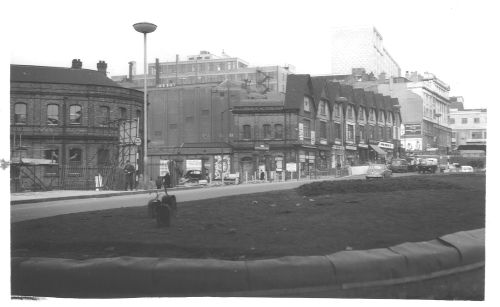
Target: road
31	211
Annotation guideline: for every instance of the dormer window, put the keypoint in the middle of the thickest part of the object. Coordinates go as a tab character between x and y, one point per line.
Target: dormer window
307	104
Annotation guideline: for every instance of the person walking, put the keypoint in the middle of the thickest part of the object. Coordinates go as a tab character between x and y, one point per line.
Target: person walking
166	181
129	170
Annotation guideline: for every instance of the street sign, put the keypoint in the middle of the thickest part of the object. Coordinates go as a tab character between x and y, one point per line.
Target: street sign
137	141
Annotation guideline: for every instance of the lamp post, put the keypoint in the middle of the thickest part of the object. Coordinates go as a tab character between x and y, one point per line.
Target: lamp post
222	148
145	28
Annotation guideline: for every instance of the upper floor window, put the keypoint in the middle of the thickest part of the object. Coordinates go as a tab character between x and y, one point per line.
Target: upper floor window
307	104
52	114
389	118
381	116
104	115
20	113
464	120
322	130
307	128
75	114
52	154
451	121
123	113
337	131
278	131
138	114
476	120
266	131
361	114
247	132
350	113
336	110
372	115
350	132
476	134
322	108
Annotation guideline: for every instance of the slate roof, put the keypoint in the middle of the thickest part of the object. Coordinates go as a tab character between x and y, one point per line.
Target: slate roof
61	75
296	87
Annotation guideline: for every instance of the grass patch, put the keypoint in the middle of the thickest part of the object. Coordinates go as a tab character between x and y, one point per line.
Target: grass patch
315	219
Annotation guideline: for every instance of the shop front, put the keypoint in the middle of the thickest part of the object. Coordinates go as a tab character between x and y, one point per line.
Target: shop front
351	155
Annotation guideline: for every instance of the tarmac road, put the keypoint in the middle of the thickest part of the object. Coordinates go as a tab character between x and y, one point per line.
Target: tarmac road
22	212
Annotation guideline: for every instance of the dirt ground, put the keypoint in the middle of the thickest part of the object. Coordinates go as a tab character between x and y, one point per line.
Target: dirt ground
315	219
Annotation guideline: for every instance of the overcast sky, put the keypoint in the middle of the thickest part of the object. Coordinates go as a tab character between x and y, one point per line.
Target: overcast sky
448	38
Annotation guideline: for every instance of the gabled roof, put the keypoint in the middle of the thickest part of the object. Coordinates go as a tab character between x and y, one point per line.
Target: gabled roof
359	97
332	90
318	86
296	87
370	99
47	74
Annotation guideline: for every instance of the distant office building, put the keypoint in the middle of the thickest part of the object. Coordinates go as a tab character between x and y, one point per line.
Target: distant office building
361	47
468	125
206	67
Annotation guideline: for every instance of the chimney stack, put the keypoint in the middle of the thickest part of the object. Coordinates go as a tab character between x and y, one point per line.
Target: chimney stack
131	70
102	67
76	64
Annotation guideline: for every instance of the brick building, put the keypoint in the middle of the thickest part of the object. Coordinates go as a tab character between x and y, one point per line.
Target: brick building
65	125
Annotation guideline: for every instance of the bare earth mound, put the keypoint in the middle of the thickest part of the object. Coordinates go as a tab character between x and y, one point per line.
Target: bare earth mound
315	219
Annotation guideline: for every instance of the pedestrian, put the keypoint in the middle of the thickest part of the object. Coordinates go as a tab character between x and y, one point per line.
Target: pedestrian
166	181
262	175
129	175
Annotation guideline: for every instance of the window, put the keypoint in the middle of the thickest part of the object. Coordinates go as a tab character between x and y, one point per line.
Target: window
452	121
104	115
75	114
205	112
336	110
381	117
464	120
53	155
476	135
322	130
322	108
75	155
123	113
380	133
267	131
350	113
307	104
307	128
361	133
52	114
361	115
138	114
372	115
247	132
20	113
338	131
350	132
278	131
476	120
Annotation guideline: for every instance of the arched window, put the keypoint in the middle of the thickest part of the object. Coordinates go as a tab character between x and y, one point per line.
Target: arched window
104	117
75	114
20	113
52	114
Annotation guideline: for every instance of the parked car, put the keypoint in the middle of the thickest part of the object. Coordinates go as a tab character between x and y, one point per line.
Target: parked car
466	169
378	171
192	176
399	166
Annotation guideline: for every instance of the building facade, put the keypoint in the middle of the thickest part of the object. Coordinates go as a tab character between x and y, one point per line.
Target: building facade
468	125
65	126
361	47
206	67
224	129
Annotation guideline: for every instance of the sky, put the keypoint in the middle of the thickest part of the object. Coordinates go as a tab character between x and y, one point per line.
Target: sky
454	39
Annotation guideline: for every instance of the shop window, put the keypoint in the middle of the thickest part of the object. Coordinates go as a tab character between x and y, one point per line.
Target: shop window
20	113
75	114
52	114
247	132
266	131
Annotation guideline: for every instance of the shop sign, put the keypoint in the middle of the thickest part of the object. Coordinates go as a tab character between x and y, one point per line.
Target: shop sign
301	131
362	146
351	147
313	137
291	167
279	164
302	158
385	145
193	165
311	157
323	142
262	147
336	147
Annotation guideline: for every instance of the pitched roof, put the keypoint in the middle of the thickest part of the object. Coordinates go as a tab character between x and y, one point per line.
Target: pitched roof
48	74
296	87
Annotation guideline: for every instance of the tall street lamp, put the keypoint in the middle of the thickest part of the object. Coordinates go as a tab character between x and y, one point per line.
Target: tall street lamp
145	28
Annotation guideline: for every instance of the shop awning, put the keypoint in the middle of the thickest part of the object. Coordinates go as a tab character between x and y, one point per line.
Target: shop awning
378	150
